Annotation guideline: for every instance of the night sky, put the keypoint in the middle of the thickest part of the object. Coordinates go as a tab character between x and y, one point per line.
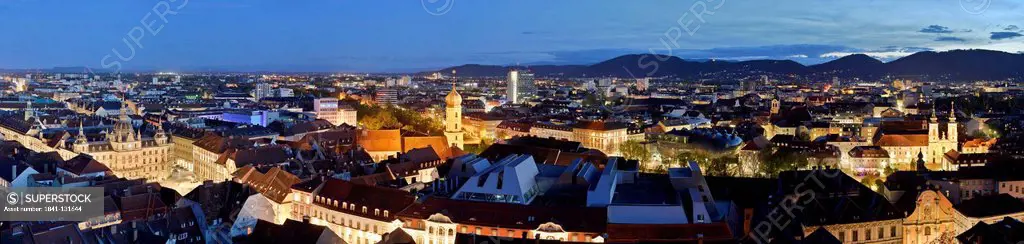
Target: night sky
408	35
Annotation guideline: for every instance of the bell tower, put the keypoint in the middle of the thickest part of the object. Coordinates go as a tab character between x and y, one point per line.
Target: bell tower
951	126
81	142
453	116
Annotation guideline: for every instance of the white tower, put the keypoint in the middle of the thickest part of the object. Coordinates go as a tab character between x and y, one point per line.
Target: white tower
453	117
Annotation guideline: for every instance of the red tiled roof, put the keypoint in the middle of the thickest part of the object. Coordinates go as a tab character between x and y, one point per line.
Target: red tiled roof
275	184
372	197
219	144
141	206
905	140
380	140
438	143
83	164
978	142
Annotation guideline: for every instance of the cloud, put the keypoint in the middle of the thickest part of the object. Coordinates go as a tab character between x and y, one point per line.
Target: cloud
949	39
936	29
884	56
797	56
885	53
1005	35
1011	28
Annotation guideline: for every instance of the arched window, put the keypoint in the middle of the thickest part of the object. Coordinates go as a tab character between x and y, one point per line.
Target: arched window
364	209
385	213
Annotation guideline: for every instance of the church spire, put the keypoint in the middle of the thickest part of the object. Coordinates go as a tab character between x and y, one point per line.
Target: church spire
453	99
81	139
124	111
935	111
952	111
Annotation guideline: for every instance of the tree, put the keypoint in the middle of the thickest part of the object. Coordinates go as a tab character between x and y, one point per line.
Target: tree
775	161
872	181
381	119
719	166
479	148
889	170
635	150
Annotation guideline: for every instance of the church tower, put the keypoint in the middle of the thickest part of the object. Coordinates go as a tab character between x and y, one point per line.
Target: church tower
161	136
124	136
775	106
933	127
81	142
453	117
952	134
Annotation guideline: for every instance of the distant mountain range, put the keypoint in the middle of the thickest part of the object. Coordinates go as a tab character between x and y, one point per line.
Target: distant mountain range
948	65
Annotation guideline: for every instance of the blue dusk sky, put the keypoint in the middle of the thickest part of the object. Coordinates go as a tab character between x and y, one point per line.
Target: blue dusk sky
413	35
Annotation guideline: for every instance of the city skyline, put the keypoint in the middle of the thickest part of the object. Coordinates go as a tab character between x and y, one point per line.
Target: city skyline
460	121
386	37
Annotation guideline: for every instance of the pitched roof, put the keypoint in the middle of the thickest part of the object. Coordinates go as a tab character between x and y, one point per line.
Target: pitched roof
371	197
219	144
438	143
83	164
600	125
1008	230
307	127
275	184
904	140
575	219
380	140
260	156
994	205
9	164
290	231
